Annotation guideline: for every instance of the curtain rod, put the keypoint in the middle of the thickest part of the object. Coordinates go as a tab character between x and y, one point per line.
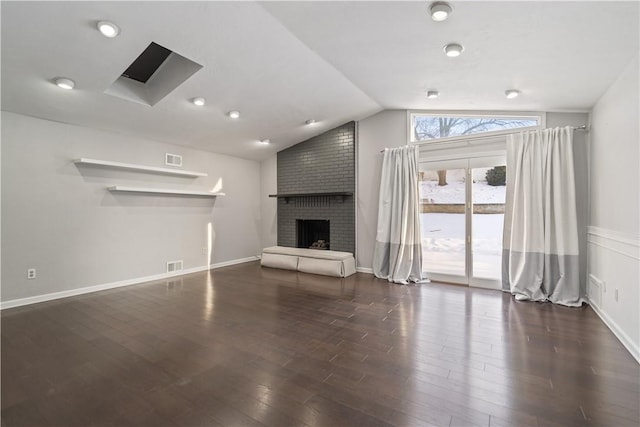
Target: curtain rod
581	127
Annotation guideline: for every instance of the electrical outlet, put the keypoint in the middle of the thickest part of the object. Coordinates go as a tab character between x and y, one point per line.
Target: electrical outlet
31	273
615	295
204	250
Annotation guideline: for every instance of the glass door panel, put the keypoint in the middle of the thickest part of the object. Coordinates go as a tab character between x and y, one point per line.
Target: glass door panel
462	212
443	222
488	196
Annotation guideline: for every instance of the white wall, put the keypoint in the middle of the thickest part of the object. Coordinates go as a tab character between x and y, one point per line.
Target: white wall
0	209
614	241
269	205
59	218
386	129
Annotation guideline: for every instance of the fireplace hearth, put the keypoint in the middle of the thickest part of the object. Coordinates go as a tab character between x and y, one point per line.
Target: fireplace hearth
312	233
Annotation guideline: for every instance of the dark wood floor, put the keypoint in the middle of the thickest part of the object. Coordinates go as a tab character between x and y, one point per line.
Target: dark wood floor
248	346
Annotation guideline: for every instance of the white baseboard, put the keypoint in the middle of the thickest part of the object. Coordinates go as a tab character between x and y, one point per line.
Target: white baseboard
617	331
233	262
103	287
364	270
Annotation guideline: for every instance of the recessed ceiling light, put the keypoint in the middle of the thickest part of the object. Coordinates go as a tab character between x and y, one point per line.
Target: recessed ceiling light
64	83
108	29
265	141
453	49
234	114
440	10
310	121
512	93
433	94
199	101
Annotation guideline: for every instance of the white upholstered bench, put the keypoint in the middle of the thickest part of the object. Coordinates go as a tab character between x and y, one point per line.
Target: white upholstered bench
316	261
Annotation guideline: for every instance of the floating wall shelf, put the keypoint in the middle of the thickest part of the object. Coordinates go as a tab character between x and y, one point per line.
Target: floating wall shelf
120	188
139	168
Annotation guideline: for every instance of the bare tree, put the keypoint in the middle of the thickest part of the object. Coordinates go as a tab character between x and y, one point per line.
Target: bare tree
431	127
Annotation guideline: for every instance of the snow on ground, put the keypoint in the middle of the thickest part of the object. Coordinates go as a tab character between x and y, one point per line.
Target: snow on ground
443	244
453	192
443	234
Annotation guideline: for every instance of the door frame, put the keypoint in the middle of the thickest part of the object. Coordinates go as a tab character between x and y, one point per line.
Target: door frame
468	163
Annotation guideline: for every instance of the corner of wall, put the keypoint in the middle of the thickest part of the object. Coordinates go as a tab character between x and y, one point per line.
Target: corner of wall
613	233
268	205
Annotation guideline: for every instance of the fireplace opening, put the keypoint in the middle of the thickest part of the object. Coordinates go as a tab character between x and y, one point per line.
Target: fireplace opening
313	233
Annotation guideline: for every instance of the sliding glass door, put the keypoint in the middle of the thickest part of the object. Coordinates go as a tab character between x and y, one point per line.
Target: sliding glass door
462	212
488	200
443	222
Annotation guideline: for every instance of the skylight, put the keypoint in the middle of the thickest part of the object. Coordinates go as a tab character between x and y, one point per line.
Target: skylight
154	74
147	63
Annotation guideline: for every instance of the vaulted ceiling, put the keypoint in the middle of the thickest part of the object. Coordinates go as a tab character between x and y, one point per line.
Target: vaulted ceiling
281	63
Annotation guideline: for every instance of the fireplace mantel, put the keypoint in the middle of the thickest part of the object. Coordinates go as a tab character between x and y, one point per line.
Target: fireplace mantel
286	197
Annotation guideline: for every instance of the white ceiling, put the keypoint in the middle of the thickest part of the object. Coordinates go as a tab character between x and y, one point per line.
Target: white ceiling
281	63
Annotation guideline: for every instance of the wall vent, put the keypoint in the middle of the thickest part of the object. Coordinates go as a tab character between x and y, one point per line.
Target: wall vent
172	159
595	289
173	266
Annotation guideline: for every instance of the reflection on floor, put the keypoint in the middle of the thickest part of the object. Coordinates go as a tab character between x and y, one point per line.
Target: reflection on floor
245	345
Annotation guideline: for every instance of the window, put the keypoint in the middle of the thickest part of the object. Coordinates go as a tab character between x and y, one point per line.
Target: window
147	63
435	127
154	74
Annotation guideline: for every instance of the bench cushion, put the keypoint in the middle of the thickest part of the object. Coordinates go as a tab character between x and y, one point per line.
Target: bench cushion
326	267
310	253
316	261
286	262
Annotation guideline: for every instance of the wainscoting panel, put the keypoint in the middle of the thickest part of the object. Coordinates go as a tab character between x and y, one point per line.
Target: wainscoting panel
614	283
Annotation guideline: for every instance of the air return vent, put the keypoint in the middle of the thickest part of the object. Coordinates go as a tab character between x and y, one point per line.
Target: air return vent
173	266
154	74
172	159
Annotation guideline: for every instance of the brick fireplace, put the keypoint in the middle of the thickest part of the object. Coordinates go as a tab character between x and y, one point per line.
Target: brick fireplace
320	175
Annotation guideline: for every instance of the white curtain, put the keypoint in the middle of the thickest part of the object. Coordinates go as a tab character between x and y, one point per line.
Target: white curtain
397	255
540	247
